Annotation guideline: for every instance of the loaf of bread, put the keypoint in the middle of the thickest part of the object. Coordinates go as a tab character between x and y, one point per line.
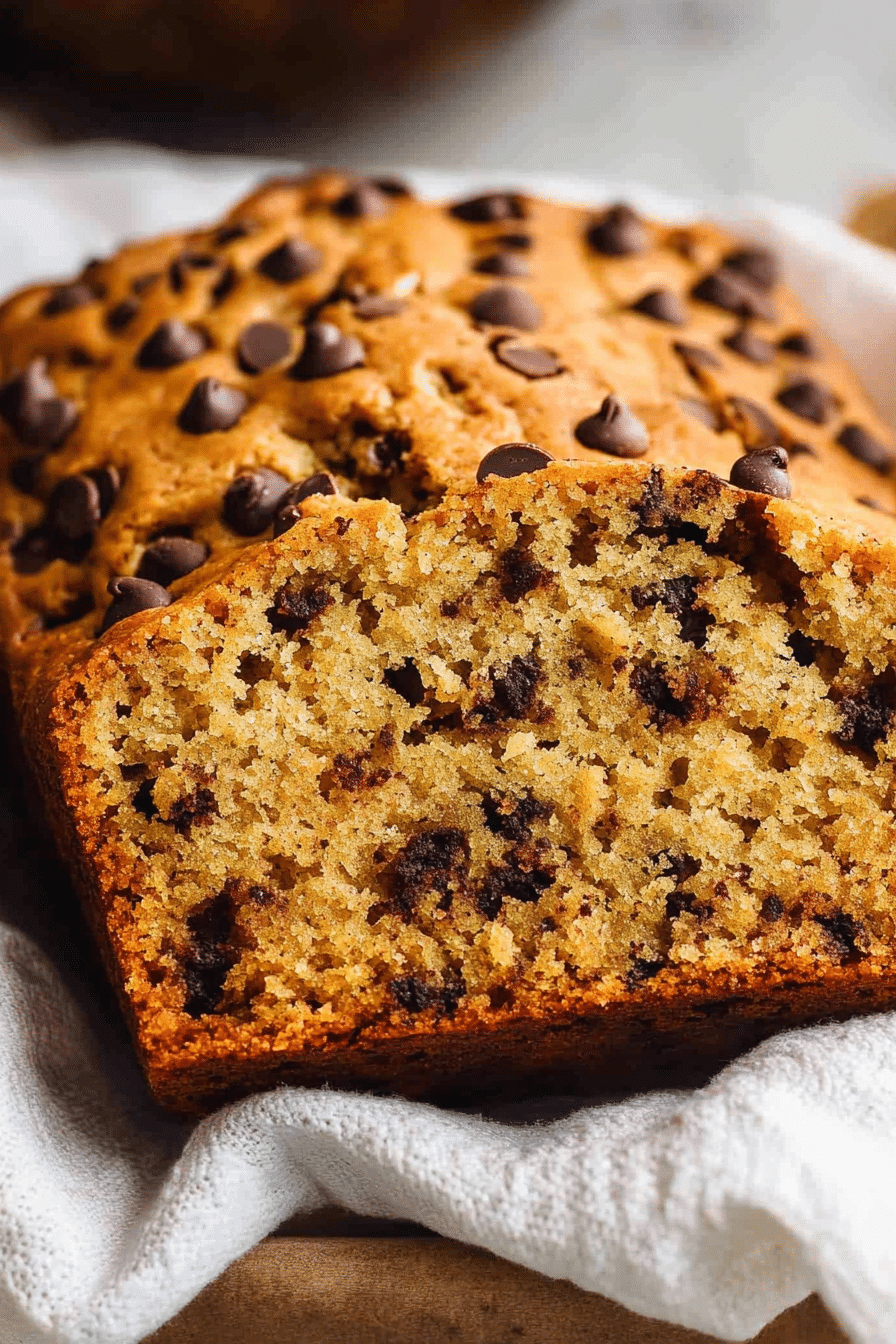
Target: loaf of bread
387	756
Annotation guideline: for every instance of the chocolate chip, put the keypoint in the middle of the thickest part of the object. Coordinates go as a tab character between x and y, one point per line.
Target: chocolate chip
614	429
390	450
503	263
695	358
531	362
406	682
772	908
108	482
800	343
748	345
875	504
393	186
30	406
122	315
212	406
130	596
253	499
795	449
24	472
224	285
733	292
514	691
33	551
431	861
620	233
141	283
702	411
808	399
294	609
753	422
171	558
321	483
327	351
520	242
521	574
866	717
663	306
67	297
231	233
758	264
179	270
373	306
364	201
74	508
513	459
291	261
764	471
172	343
261	345
865	448
490	209
506	306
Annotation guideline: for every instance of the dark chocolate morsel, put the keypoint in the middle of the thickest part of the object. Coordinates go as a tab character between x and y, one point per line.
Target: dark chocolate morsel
24	472
231	233
392	186
764	471
170	558
506	306
614	429
253	499
753	422
733	292
513	459
372	306
212	406
663	306
808	399
327	351
748	345
800	343
758	264
130	595
875	504
863	446
702	411
520	242
108	481
290	261
122	315
67	297
30	406
695	358
286	519
321	483
172	343
74	508
503	263
530	361
365	200
261	345
620	233
490	209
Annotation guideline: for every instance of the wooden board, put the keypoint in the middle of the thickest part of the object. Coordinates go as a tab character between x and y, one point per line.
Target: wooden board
424	1290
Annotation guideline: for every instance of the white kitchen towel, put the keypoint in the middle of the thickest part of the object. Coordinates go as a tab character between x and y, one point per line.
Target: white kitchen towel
715	1208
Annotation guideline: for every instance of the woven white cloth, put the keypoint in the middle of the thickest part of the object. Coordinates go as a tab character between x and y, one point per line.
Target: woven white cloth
715	1209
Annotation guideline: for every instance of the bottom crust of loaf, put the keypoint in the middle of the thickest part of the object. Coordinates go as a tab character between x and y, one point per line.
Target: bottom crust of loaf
584	781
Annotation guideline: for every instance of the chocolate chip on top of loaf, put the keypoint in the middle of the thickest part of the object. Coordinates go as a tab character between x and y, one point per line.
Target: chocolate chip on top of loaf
386	748
330	324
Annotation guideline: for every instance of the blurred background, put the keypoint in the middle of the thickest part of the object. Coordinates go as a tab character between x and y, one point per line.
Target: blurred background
790	98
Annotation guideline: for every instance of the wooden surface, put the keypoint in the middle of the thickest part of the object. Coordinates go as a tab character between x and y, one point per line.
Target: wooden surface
424	1290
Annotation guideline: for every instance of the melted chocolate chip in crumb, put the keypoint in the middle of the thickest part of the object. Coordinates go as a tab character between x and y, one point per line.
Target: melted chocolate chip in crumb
614	429
513	459
764	471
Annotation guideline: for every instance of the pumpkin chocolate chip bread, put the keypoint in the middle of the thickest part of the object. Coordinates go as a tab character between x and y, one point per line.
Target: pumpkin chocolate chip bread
374	774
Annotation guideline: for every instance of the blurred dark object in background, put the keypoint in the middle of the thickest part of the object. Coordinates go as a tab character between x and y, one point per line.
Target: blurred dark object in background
242	54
